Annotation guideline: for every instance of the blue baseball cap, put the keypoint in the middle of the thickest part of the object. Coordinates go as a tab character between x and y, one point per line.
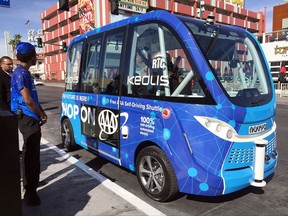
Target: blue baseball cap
24	47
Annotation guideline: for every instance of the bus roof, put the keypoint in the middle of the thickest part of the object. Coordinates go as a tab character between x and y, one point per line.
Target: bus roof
153	15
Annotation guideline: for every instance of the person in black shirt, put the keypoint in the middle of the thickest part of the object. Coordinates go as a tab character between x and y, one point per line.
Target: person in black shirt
6	67
114	87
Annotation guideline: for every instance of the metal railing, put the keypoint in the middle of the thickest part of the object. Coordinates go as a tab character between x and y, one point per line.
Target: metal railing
281	89
267	37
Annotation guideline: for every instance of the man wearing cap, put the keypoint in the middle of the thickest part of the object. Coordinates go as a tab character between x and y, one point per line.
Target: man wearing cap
24	102
6	67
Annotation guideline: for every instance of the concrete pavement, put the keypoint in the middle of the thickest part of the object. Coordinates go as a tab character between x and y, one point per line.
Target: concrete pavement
282	100
75	189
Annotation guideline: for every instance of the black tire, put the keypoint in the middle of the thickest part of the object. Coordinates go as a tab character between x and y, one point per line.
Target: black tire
67	135
158	181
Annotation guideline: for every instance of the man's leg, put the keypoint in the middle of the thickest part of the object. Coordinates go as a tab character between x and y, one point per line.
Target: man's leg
31	131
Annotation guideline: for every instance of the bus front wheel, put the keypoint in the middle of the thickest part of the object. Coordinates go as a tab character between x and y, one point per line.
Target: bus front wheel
155	174
67	135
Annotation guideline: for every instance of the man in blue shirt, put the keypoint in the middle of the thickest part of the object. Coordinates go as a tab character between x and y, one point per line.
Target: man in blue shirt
24	102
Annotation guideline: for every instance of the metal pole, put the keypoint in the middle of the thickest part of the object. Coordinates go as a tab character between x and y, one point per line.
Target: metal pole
201	8
259	163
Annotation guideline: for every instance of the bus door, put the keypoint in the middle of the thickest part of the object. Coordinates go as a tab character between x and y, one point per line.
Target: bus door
109	96
89	92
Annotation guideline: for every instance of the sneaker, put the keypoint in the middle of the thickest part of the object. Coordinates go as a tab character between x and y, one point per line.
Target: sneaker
32	199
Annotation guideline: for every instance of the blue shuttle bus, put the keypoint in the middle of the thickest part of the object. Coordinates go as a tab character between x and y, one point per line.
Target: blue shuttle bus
188	105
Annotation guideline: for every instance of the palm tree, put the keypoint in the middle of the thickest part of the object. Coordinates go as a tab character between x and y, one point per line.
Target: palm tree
13	42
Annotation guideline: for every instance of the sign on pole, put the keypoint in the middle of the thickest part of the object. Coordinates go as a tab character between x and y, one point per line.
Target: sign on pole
4	3
136	6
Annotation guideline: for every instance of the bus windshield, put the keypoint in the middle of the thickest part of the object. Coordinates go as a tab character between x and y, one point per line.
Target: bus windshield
236	60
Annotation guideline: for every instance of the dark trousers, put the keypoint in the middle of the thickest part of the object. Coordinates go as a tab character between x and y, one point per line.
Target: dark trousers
31	131
282	78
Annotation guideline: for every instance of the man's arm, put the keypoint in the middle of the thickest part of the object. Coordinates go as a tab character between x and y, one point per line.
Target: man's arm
44	113
3	103
31	103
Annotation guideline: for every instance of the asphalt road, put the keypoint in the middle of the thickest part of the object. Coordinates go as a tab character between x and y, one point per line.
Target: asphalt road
271	200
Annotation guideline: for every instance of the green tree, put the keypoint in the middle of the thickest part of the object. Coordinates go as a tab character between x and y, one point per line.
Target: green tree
13	42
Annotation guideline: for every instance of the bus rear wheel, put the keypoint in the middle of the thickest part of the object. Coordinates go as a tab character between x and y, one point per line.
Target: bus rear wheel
155	174
67	135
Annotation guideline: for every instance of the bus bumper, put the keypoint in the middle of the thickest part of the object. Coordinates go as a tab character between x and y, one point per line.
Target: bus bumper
264	166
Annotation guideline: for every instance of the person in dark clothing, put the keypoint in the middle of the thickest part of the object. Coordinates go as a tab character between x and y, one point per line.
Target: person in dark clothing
175	78
24	103
282	73
114	87
6	67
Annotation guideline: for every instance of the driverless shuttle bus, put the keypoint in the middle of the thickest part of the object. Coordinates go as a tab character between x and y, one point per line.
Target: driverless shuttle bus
187	105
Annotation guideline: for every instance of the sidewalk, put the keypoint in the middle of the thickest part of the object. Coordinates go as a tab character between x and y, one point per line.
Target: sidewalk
74	189
282	100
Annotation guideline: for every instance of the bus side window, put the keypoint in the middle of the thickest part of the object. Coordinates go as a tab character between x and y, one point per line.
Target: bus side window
73	67
111	66
114	86
161	67
141	70
90	75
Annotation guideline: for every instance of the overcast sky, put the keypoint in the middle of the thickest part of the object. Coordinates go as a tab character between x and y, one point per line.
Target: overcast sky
13	19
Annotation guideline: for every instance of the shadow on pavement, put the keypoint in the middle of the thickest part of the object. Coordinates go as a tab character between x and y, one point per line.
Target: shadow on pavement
232	196
67	189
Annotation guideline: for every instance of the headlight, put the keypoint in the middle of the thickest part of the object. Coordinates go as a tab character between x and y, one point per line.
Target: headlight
208	123
218	128
227	132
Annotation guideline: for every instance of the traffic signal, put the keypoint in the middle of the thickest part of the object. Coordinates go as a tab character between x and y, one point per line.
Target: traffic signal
63	5
39	43
114	7
64	46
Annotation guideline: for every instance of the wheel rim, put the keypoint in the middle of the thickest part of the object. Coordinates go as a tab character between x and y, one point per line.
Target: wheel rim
66	133
151	174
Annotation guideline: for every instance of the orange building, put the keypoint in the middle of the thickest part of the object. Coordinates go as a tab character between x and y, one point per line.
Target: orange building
280	17
59	26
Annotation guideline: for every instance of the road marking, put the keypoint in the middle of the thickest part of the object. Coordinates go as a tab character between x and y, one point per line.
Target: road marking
126	195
